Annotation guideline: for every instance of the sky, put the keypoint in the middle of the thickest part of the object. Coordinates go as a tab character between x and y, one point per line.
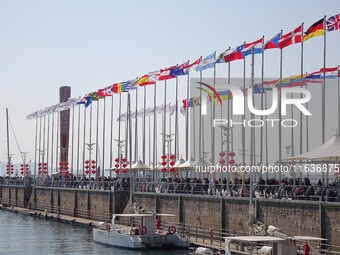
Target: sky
91	44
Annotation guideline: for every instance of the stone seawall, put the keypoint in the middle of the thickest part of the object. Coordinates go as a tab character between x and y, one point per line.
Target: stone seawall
313	218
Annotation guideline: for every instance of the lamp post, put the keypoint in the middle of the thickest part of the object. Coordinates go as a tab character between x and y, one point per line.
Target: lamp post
90	146
167	139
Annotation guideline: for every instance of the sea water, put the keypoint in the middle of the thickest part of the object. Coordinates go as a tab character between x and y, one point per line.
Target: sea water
24	234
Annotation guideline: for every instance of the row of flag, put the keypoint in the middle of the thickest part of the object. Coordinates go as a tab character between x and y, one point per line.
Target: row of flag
260	88
278	40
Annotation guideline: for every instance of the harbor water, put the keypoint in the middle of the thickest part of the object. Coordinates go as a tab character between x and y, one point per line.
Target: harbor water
24	234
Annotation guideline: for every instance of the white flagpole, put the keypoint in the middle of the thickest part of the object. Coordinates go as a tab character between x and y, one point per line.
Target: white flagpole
78	142
324	98
72	141
280	111
301	117
84	143
111	136
243	117
144	125
164	124
136	127
187	122
104	123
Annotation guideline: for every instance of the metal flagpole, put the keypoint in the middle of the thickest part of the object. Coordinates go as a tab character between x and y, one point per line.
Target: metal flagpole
243	117
35	148
97	142
212	120
43	150
52	151
119	148
136	127
324	97
176	121
84	143
144	125
78	142
229	133
155	133
40	123
104	123
90	142
280	111
338	103
164	124
187	122
252	131
301	116
292	113
57	142
48	141
200	122
72	142
149	139
111	136
262	92
128	121
127	130
307	129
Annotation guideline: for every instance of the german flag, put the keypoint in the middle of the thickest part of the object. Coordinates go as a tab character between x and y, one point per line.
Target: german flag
317	29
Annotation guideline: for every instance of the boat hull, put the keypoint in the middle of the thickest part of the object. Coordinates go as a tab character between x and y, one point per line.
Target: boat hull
118	240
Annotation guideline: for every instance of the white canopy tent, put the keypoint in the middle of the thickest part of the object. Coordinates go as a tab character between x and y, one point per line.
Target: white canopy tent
329	151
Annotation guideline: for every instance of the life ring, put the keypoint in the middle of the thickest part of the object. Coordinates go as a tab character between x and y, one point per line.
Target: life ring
172	230
142	230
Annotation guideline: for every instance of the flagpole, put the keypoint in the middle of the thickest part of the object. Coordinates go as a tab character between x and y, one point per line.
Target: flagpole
200	122
176	121
104	123
90	140
119	145
243	117
280	111
338	103
262	92
307	128
164	124
324	95
187	122
35	149
136	128
84	143
212	118
230	132
111	136
252	131
127	143
72	142
155	132
301	116
144	125
78	142
48	142
57	143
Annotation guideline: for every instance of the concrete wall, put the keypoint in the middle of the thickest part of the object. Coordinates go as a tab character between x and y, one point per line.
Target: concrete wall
313	218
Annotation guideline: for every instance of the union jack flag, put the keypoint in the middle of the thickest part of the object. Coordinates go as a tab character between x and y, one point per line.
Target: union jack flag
333	23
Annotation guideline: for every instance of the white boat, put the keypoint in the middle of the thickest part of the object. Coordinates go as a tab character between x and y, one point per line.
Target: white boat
277	245
144	236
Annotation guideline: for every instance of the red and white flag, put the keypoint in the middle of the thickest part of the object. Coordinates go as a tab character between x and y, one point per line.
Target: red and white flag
292	37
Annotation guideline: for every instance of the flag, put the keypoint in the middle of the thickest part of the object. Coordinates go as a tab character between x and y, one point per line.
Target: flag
224	95
117	87
153	76
248	48
333	23
317	29
145	80
292	37
192	66
105	92
207	62
258	89
330	72
233	54
165	73
272	42
179	70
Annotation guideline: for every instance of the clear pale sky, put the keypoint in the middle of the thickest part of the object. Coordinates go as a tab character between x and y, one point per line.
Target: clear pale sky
91	44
